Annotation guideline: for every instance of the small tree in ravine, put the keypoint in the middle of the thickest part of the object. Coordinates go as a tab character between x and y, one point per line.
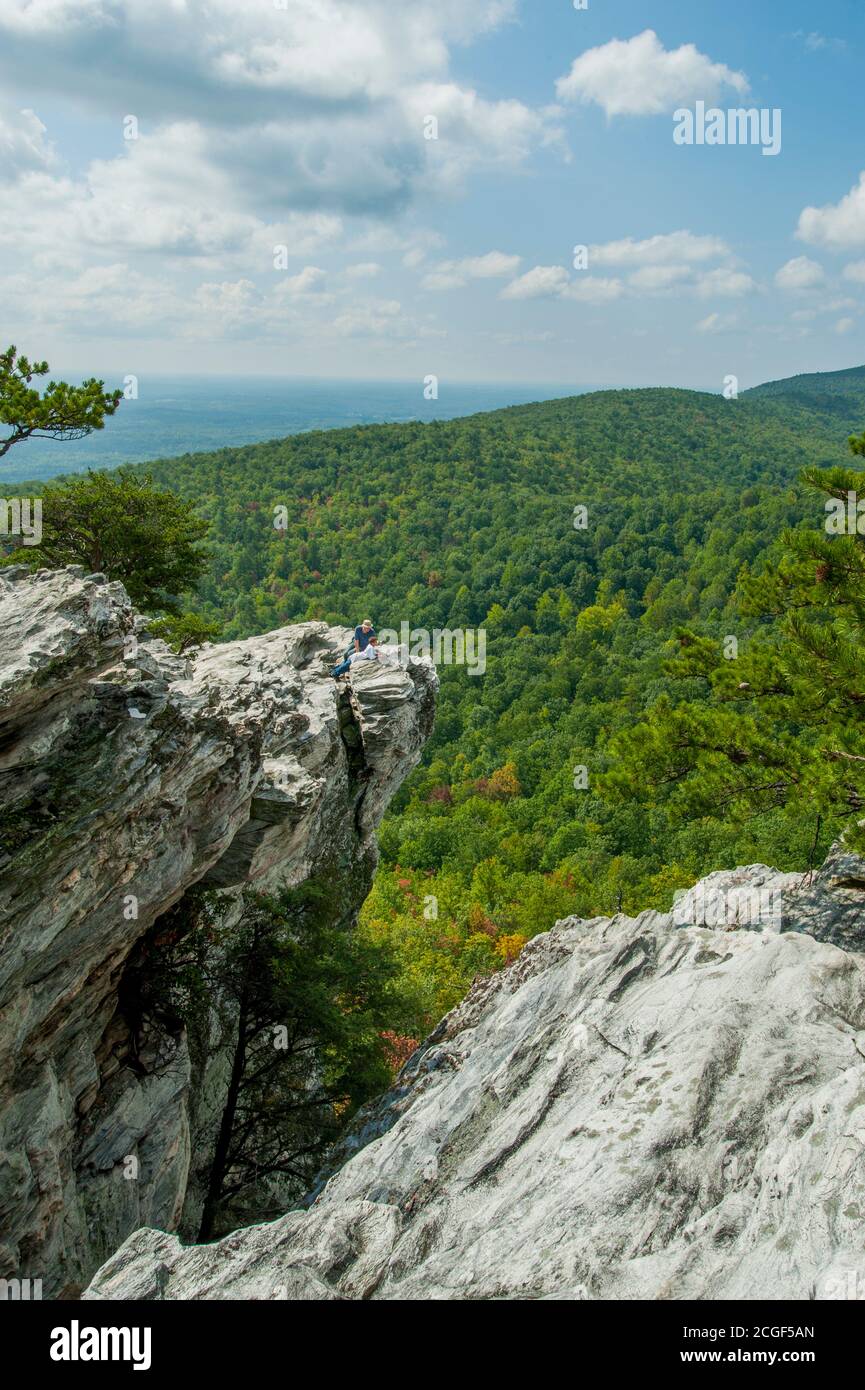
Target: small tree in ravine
307	1007
783	725
61	411
119	524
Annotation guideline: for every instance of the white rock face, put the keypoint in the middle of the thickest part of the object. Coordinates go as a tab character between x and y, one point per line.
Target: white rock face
635	1109
127	775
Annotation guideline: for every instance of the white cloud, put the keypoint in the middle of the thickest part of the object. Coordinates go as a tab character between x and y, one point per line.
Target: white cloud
856	272
162	195
836	226
23	144
670	260
449	275
320	104
553	282
800	273
845	325
331	50
655	265
665	249
725	282
382	319
659	277
543	282
493	264
639	77
593	289
474	133
308	281
119	301
114	299
259	129
227	301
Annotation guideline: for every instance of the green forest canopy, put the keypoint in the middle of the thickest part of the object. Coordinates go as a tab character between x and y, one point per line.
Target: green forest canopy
470	523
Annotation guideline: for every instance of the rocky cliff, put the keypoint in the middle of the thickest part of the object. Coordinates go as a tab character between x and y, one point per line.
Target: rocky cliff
670	1107
127	775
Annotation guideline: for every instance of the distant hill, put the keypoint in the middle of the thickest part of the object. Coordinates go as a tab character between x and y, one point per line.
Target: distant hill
834	394
814	383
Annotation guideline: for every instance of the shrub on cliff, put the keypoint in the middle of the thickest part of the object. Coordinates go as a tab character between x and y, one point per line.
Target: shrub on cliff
121	525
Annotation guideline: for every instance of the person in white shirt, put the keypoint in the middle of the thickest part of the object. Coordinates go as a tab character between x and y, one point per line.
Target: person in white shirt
368	653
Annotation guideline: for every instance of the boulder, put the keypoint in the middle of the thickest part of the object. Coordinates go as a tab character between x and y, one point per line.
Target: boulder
646	1108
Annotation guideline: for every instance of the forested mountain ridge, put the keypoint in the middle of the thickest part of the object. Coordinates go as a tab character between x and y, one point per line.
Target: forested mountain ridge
825	392
471	523
509	823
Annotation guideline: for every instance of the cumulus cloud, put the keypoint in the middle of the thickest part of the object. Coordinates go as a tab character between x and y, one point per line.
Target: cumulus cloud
665	249
593	289
266	136
162	195
310	280
856	272
381	319
473	133
118	300
668	262
639	77
837	226
227	301
268	55
114	299
725	282
659	277
801	273
543	282
553	282
671	261
448	275
24	145
320	104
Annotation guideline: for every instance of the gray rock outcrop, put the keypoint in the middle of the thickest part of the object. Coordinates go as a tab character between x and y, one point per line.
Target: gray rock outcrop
649	1108
128	775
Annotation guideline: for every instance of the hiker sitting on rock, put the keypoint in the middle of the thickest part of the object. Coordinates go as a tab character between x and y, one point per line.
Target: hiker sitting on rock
365	648
363	635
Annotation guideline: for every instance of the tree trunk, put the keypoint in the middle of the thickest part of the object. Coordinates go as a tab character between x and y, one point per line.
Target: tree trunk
226	1129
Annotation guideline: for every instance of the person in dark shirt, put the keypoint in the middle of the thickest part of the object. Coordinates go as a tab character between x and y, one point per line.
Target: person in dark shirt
364	633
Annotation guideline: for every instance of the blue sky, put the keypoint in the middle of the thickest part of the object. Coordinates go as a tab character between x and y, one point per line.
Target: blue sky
300	124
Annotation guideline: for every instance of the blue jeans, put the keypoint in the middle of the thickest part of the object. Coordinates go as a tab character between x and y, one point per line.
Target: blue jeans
342	668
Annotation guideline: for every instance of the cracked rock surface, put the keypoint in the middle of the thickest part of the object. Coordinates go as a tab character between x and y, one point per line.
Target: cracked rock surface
638	1108
128	774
